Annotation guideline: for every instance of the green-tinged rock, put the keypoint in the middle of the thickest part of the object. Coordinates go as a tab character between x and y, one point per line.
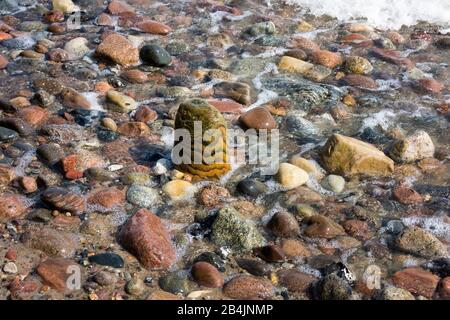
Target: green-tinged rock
155	56
231	229
358	65
142	196
175	282
122	102
420	242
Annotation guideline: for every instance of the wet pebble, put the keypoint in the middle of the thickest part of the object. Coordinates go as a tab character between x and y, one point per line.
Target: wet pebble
107	259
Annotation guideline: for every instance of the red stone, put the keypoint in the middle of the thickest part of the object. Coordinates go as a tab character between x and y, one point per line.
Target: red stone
226	105
11	254
34	115
417	281
148	240
55	273
22	289
430	85
406	195
393	56
153	27
327	58
70	167
107	198
118	7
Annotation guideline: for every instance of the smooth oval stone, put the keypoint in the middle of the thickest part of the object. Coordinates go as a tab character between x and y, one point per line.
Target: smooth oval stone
155	56
251	187
7	134
258	118
23	128
174	283
254	267
213	259
107	259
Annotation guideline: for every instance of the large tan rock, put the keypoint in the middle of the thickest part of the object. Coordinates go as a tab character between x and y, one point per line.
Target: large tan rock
349	157
294	65
119	50
415	147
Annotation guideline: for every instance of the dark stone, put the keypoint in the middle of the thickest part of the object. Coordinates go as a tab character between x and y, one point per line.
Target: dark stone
271	253
254	267
17	124
107	259
106	135
7	135
251	187
174	283
155	56
332	287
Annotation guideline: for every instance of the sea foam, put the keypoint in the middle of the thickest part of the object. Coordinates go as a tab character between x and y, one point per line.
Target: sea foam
384	14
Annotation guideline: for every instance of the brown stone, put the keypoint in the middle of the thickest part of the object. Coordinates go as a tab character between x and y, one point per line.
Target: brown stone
406	195
323	227
12	206
7	175
133	129
430	85
118	49
117	7
248	288
147	239
358	229
105	20
28	184
226	106
107	198
74	99
207	275
3	62
162	295
212	195
284	224
393	56
239	92
359	81
135	76
56	272
327	58
59	55
305	44
445	288
417	281
153	27
34	115
51	241
145	114
64	200
258	118
295	281
294	248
